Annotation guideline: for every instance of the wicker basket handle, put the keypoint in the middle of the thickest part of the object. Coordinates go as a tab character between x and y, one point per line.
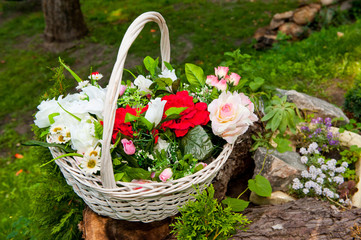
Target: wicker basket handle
106	171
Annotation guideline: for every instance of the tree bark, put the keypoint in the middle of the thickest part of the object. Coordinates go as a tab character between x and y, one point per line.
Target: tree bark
64	21
306	218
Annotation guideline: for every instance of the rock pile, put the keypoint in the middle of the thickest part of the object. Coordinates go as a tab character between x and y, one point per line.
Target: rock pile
294	24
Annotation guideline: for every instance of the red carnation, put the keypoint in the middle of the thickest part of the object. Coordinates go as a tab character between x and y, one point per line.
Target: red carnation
195	114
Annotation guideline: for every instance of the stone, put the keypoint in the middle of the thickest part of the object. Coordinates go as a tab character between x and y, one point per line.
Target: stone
313	105
282	16
316	6
291	29
347	5
260	33
276	198
304	15
279	168
276	23
328	2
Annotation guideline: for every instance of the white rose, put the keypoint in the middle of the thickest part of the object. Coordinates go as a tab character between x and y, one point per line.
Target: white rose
155	110
82	135
168	74
46	108
230	117
143	84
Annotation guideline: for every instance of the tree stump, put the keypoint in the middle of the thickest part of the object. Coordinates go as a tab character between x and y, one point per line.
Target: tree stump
96	227
306	218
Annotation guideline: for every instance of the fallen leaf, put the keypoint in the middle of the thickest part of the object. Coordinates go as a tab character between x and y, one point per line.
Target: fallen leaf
18	155
18	172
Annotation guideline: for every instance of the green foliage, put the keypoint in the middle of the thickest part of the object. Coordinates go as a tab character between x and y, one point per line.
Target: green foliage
351	156
237	205
353	100
195	75
206	219
281	115
260	185
352	126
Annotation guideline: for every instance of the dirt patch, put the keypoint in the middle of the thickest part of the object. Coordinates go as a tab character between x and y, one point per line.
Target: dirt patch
336	94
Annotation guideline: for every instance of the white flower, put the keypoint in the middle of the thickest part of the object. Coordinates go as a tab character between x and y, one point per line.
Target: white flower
305	174
318	189
340	169
312	147
230	117
320	160
162	144
155	110
90	165
92	152
309	184
344	164
297	184
143	84
304	159
168	74
82	85
324	167
46	108
338	179
319	180
95	76
303	151
305	190
82	136
328	193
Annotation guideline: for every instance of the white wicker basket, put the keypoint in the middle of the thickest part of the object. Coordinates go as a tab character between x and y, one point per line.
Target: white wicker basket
133	201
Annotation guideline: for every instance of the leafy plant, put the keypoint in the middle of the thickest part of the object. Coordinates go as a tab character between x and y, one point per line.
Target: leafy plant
353	101
206	219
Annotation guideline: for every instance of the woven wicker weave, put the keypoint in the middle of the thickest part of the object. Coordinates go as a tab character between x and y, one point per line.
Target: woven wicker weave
133	201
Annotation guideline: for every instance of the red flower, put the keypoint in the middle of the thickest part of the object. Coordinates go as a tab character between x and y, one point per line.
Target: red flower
119	124
195	114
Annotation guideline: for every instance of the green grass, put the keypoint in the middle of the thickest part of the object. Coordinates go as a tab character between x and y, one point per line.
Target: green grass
201	31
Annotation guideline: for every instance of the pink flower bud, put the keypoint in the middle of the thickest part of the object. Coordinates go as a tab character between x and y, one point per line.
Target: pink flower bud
128	146
221	72
202	163
234	78
212	80
122	89
166	174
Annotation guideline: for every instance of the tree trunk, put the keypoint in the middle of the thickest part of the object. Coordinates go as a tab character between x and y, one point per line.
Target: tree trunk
64	21
306	218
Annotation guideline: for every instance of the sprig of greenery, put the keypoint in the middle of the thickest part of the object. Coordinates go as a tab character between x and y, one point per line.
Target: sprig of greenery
206	219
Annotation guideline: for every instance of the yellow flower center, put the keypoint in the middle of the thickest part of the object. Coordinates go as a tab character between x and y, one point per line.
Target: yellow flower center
57	129
91	163
61	138
94	153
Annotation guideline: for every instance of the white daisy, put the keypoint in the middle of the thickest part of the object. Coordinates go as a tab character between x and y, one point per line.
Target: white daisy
90	165
95	76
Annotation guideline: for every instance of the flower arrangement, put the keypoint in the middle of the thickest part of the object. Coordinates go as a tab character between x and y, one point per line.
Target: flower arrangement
165	128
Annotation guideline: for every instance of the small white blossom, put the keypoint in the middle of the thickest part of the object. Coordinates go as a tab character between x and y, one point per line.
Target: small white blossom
318	189
82	85
320	160
305	174
328	193
319	180
338	179
304	159
303	151
297	184
324	167
344	164
340	169
305	190
312	147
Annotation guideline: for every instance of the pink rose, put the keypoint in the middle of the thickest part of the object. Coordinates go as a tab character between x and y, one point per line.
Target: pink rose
222	85
231	115
166	174
128	146
221	72
233	78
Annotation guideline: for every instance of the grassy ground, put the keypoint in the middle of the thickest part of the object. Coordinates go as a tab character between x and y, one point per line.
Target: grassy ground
200	31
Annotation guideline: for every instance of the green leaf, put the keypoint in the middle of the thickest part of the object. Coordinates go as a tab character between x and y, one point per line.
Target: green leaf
175	86
164	82
70	113
269	115
51	117
237	205
260	185
171	117
256	83
276	120
118	176
150	64
197	143
145	121
64	155
283	144
214	93
77	78
195	75
129	118
98	129
136	173
175	110
167	65
45	144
